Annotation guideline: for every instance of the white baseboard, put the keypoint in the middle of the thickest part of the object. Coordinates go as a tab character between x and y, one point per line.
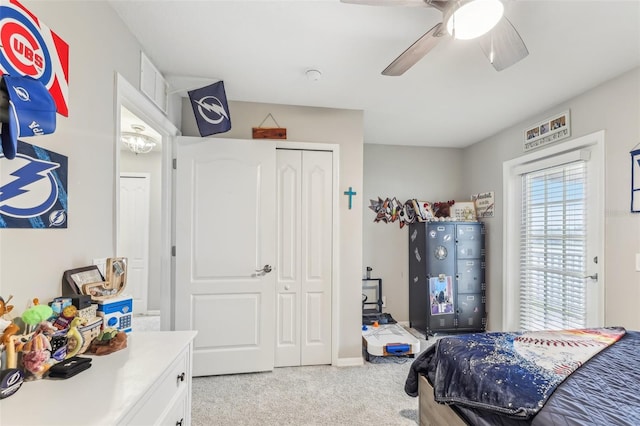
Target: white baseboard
349	362
404	323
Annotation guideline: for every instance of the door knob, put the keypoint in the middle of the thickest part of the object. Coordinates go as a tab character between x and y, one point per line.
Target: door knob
265	270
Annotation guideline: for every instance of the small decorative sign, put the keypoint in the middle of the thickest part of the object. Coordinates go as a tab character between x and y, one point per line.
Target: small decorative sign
464	211
485	202
548	131
269	132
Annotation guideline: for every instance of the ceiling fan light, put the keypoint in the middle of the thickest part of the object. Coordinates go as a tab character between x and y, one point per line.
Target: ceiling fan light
471	19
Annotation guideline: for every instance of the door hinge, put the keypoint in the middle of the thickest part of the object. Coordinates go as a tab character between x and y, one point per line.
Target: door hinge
175	163
173	251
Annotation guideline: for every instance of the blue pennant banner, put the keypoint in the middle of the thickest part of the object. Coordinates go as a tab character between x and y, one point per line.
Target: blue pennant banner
210	108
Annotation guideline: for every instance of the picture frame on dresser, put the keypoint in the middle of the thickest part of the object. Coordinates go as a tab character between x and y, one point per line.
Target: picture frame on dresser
73	280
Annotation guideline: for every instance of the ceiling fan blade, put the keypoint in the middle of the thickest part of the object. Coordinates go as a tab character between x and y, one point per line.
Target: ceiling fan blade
414	53
503	46
387	2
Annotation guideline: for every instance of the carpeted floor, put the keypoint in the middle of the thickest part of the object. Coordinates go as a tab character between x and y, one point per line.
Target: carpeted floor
371	394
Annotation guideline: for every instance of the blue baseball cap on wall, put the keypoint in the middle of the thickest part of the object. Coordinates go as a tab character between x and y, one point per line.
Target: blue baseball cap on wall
26	109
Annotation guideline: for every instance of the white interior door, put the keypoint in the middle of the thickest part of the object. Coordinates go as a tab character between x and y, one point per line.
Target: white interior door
304	265
225	246
133	240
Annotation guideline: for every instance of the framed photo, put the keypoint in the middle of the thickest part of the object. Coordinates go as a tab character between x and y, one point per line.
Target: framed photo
76	279
464	211
551	130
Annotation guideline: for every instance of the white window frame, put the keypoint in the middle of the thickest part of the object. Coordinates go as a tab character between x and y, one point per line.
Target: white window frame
512	190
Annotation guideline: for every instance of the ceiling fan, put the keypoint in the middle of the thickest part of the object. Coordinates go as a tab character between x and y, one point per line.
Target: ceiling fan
462	19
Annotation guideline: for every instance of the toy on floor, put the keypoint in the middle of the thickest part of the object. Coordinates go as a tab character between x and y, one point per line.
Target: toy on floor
389	340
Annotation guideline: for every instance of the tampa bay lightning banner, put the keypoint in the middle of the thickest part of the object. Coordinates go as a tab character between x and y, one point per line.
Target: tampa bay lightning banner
210	107
33	189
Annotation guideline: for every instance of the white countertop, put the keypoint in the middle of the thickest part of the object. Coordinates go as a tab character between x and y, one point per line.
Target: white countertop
103	394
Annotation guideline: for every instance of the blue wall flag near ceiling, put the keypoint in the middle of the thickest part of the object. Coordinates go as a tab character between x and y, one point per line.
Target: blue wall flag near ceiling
210	107
33	189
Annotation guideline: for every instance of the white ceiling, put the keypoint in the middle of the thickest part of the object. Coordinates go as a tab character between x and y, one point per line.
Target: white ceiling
453	97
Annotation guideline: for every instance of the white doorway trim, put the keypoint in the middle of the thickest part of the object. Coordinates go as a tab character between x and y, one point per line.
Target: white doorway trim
335	237
129	97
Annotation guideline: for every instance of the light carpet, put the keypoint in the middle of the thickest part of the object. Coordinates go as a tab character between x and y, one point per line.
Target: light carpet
371	394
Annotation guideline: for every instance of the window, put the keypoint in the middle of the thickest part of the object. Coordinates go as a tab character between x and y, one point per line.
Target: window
553	248
553	244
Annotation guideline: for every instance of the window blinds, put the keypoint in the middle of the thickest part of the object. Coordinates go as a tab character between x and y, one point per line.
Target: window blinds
553	248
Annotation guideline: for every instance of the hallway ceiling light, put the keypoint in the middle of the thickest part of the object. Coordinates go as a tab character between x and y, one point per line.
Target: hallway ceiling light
136	141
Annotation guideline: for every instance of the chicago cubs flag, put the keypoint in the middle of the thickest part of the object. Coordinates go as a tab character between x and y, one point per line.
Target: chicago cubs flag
210	107
28	47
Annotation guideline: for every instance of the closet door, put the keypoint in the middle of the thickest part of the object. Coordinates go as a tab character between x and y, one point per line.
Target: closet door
304	193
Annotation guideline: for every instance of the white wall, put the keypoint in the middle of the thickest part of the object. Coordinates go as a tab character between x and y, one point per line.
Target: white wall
404	172
33	261
323	125
614	107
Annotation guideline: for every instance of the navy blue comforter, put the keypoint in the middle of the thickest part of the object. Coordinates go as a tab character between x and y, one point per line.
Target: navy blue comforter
508	388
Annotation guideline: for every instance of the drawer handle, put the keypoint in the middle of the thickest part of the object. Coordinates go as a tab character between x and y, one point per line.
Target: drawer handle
180	377
179	423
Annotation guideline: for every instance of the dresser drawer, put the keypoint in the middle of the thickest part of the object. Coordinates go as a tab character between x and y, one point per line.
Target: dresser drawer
177	414
170	386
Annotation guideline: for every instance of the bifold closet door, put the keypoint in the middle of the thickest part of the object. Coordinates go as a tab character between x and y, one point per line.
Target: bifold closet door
304	266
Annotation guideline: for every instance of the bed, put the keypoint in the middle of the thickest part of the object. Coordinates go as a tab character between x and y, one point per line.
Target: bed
566	377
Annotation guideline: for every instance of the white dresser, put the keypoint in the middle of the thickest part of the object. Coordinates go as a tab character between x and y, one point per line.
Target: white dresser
148	383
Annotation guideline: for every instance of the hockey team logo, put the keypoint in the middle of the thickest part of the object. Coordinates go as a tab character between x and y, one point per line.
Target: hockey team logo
29	189
24	51
212	110
22	93
57	218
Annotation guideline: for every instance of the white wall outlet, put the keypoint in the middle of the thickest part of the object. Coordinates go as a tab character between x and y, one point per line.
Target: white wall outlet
384	301
638	262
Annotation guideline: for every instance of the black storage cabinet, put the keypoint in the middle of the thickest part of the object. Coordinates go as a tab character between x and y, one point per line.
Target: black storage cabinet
447	289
